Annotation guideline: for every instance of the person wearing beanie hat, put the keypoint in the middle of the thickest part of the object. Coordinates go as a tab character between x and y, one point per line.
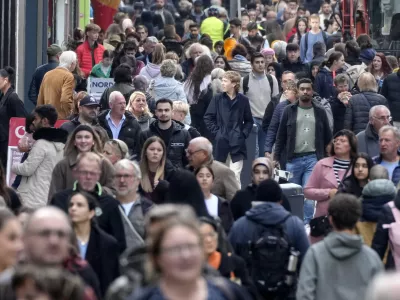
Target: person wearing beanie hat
269	55
53	57
367	55
267	213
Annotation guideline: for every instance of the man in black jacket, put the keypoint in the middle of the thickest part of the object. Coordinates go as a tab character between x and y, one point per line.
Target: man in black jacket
292	61
121	124
391	91
174	135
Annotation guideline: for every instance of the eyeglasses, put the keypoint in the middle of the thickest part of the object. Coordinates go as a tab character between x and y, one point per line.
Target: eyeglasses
178	249
191	153
124	176
384	118
342	141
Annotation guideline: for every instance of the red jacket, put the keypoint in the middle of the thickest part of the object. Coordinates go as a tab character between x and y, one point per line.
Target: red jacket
84	54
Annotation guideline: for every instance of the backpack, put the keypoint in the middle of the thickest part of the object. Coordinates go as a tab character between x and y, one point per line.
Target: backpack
394	235
269	257
325	37
246	83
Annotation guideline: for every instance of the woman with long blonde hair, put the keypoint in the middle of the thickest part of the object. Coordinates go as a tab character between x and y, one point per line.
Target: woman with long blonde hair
138	107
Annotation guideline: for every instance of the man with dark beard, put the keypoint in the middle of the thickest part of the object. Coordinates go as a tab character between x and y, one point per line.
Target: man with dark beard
255	39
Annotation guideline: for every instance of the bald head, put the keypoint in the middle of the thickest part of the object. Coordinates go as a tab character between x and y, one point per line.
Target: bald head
201	143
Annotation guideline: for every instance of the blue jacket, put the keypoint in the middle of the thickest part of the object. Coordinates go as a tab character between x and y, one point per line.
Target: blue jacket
323	84
38	78
247	228
274	125
396	171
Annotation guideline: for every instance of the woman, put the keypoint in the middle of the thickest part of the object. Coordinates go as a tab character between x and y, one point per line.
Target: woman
380	68
11	243
222	63
176	259
98	248
216	206
140	110
216	82
82	139
331	26
11	106
115	150
152	70
301	29
269	55
275	69
155	170
239	62
353	53
329	172
323	84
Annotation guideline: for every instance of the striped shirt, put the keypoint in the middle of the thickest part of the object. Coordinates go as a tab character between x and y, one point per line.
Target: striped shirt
340	164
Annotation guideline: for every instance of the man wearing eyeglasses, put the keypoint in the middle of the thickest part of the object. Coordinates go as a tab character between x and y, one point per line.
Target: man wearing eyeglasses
368	139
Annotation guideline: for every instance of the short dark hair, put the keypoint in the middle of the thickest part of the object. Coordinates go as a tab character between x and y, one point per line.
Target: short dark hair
252	26
193	25
239	49
304	80
292	47
49	112
345	211
130	45
123	73
108	54
255	55
352	142
141	27
235	22
165	100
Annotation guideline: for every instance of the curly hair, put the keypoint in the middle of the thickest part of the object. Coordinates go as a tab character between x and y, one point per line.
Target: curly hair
203	67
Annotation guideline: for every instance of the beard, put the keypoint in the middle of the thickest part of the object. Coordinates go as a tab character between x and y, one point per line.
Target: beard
305	98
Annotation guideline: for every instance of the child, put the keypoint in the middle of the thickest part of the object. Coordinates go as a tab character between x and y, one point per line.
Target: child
310	38
103	69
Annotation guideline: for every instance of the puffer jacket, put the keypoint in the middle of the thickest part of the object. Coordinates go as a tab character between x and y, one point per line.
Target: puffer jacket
338	112
150	71
391	90
323	84
240	65
295	67
357	111
368	141
84	54
168	87
36	170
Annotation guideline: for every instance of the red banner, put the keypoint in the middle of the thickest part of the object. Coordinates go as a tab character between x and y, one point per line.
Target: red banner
104	11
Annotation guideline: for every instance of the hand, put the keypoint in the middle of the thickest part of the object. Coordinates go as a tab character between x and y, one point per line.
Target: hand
268	155
332	193
156	183
24	148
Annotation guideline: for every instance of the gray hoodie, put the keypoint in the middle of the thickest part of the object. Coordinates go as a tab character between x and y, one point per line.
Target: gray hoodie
340	267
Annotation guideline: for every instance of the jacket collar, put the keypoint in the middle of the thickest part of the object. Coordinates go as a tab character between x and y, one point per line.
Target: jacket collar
98	190
370	132
51	134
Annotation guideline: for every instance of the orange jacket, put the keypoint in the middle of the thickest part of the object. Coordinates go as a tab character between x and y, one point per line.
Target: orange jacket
84	54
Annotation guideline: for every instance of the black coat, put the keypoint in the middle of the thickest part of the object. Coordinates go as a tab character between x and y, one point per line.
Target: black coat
198	110
350	186
102	254
338	112
391	90
230	122
269	112
178	143
15	202
129	133
109	220
225	214
286	136
296	67
357	111
37	79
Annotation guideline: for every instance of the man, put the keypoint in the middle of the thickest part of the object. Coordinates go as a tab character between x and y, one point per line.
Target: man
271	16
254	37
391	91
213	26
326	13
318	50
58	86
121	124
133	206
46	152
303	134
165	11
340	101
341	258
310	38
286	15
256	86
292	61
88	111
389	143
47	242
235	26
229	120
197	14
253	232
87	171
195	50
53	57
175	137
199	152
142	31
90	52
193	34
148	48
368	139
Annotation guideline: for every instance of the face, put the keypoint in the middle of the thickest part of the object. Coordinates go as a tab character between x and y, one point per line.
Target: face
260	173
381	118
159	4
227	85
245	22
388	143
314	23
89	112
306	89
377	63
234	29
11	242
181	256
210	238
342	87
107	62
84	141
205	179
326	9
301	13
292	5
93	35
219	63
130	52
196	52
252	33
118	105
335	26
125	181
314	71
139	104
3	82
47	240
286	78
269	59
290	95
286	14
194	31
164	112
341	145
195	156
218	49
154	153
142	33
28	290
79	211
253	15
149	47
112	153
37	122
271	70
259	65
293	56
340	62
88	174
361	169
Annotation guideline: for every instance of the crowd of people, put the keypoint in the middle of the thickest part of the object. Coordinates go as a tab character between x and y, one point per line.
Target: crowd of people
140	194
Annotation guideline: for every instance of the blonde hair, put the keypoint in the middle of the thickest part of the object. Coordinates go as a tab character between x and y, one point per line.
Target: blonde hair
180	106
367	83
233	77
132	98
70	148
158	54
144	164
315	17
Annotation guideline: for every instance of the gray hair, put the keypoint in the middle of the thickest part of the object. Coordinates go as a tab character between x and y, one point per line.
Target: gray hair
373	110
393	129
126	164
191	48
67	58
217	73
378	172
367	83
384	286
113	96
151	39
203	144
121	146
140	83
168	68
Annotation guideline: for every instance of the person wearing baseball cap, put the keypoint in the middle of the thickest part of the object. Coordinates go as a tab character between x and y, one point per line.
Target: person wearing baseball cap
53	54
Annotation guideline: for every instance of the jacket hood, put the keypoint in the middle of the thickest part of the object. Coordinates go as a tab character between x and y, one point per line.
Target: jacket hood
267	213
143	118
56	135
240	65
166	82
343	245
325	70
153	70
374	196
379	187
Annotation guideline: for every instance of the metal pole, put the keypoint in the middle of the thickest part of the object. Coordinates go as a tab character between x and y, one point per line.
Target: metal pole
239	9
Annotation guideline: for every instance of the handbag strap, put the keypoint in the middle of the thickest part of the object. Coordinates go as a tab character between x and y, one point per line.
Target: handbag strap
135	233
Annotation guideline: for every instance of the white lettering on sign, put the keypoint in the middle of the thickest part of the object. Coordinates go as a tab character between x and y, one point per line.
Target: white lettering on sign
98	85
20	131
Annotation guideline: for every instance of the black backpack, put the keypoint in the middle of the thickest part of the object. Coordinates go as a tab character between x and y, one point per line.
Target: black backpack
246	83
269	257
